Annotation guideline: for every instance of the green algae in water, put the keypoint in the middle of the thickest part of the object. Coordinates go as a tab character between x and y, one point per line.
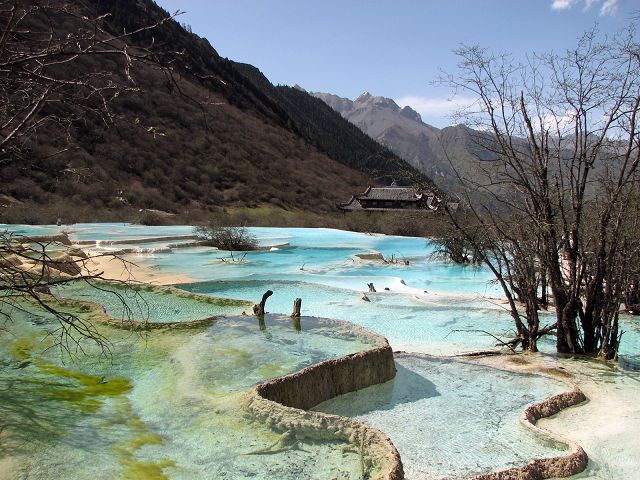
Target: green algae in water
201	404
150	303
407	324
49	406
168	405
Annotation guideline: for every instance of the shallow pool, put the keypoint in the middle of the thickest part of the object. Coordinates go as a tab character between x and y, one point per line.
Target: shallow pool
162	424
450	419
165	405
408	321
149	304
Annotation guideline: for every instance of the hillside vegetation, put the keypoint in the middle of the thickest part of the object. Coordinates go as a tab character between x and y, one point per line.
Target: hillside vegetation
195	133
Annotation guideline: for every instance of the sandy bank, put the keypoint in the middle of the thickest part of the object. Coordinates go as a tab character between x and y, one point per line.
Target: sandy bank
131	267
8	467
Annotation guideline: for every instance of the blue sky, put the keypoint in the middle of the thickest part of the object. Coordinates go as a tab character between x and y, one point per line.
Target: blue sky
391	48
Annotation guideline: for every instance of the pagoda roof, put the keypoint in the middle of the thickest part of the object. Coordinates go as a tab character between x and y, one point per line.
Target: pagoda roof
404	194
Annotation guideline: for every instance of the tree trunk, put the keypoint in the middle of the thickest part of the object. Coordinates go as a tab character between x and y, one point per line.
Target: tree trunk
611	342
258	309
544	299
297	304
567	337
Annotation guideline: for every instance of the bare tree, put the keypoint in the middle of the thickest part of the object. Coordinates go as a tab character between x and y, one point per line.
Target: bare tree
564	131
58	64
506	248
33	273
226	237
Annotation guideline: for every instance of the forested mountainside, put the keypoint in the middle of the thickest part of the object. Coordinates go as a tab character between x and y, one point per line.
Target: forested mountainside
192	132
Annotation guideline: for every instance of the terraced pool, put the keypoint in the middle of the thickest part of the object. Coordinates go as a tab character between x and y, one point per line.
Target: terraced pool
165	405
451	419
170	403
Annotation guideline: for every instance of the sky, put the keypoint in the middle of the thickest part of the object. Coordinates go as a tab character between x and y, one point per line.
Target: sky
394	48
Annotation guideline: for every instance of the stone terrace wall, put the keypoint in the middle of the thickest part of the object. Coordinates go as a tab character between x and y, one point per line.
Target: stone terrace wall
282	403
552	467
315	384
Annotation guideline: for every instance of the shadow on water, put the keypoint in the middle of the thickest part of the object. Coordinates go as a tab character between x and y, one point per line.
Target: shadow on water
262	325
406	387
34	409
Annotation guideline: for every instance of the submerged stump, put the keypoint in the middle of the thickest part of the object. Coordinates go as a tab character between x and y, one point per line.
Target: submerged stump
297	304
258	308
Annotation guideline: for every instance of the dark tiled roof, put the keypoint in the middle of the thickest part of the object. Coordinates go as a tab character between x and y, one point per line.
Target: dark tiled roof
352	204
405	194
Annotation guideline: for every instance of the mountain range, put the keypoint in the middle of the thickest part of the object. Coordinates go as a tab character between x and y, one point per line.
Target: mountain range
441	154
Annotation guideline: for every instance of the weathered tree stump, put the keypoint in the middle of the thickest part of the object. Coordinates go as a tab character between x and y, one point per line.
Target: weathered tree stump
258	308
371	287
297	304
364	297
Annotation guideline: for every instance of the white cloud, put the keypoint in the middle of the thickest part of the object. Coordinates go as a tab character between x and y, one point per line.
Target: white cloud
609	7
442	111
562	4
436	109
556	122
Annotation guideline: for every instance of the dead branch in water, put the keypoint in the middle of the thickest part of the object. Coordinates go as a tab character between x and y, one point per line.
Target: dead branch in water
504	344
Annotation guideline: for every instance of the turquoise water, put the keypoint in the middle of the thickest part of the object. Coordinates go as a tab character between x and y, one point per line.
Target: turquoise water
146	305
328	257
317	255
320	266
101	231
430	306
407	321
166	405
450	419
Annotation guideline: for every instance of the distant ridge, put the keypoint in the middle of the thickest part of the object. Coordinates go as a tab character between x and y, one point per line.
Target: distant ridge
328	131
431	150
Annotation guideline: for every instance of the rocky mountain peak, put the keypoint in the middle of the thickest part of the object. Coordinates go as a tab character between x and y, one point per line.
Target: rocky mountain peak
367	100
427	148
340	104
411	114
363	98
